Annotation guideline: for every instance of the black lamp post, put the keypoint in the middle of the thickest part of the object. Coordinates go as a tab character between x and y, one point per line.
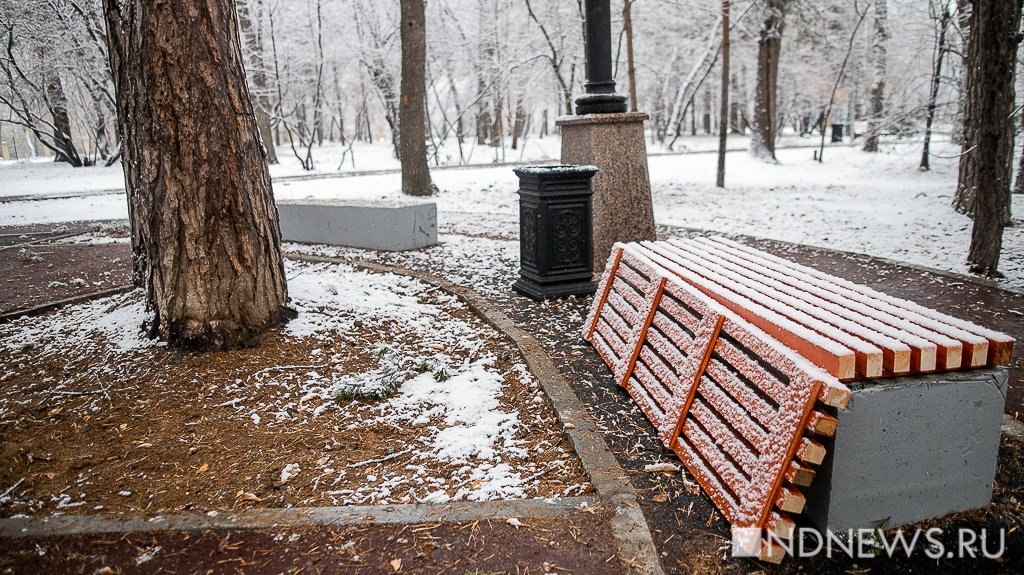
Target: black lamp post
600	97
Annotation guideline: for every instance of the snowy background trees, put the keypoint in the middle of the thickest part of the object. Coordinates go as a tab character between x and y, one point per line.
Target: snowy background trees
500	71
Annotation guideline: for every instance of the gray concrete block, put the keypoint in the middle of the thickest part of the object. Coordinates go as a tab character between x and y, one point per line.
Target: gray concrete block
911	448
377	225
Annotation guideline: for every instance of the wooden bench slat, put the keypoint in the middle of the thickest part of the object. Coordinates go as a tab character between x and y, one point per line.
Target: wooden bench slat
949	341
921	354
832	356
999	346
723	289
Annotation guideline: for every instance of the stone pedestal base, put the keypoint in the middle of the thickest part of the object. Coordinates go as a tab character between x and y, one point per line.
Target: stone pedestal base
910	448
622	210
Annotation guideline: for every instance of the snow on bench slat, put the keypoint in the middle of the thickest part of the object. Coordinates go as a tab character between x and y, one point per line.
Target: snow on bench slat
764	414
664	347
626	311
998	352
623	291
949	339
750	369
603	287
830	355
726	291
622	329
764	345
735	415
740	453
734	484
922	351
603	349
663	376
656	390
688	453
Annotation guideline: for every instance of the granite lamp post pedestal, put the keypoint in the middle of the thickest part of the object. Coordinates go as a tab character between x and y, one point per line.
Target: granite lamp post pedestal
555	231
604	135
623	211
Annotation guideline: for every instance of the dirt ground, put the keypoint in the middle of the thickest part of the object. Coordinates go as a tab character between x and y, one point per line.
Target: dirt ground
35	270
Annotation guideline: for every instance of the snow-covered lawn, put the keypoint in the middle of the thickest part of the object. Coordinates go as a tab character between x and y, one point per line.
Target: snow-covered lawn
876	204
392	390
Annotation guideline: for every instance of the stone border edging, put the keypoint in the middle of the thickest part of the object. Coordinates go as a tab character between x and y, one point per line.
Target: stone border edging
295	517
636	547
41	309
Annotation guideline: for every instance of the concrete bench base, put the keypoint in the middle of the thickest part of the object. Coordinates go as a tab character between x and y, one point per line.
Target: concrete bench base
383	225
911	448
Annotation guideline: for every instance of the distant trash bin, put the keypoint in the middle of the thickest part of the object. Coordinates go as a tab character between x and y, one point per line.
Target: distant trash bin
838	132
555	234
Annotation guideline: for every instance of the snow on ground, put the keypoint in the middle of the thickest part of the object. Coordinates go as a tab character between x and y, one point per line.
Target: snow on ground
876	204
455	409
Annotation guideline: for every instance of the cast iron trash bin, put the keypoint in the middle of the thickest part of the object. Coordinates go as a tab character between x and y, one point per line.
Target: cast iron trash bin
555	235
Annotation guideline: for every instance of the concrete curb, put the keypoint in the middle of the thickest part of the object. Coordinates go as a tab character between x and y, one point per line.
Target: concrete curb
636	547
296	517
40	309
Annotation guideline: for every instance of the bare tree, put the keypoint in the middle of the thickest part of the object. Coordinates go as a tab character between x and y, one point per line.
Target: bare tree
627	26
878	65
940	53
723	120
205	236
412	108
250	14
986	164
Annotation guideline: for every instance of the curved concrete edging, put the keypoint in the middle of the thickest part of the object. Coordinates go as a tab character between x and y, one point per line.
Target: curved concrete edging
634	542
295	517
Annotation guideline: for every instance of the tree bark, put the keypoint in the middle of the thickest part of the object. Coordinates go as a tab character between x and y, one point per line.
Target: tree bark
723	118
983	190
412	123
769	47
878	63
205	234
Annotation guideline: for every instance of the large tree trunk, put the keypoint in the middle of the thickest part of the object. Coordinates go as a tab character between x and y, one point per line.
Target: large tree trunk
723	118
205	234
252	33
983	190
411	121
878	63
769	47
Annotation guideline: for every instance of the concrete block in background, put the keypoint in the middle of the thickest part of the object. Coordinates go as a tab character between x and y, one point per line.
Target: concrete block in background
376	225
911	448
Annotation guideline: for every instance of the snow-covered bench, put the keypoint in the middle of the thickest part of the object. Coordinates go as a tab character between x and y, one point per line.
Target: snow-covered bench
740	329
389	225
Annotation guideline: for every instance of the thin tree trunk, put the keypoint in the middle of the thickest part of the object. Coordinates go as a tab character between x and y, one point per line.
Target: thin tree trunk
412	103
940	53
723	120
1018	185
627	24
769	47
878	63
983	190
205	234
